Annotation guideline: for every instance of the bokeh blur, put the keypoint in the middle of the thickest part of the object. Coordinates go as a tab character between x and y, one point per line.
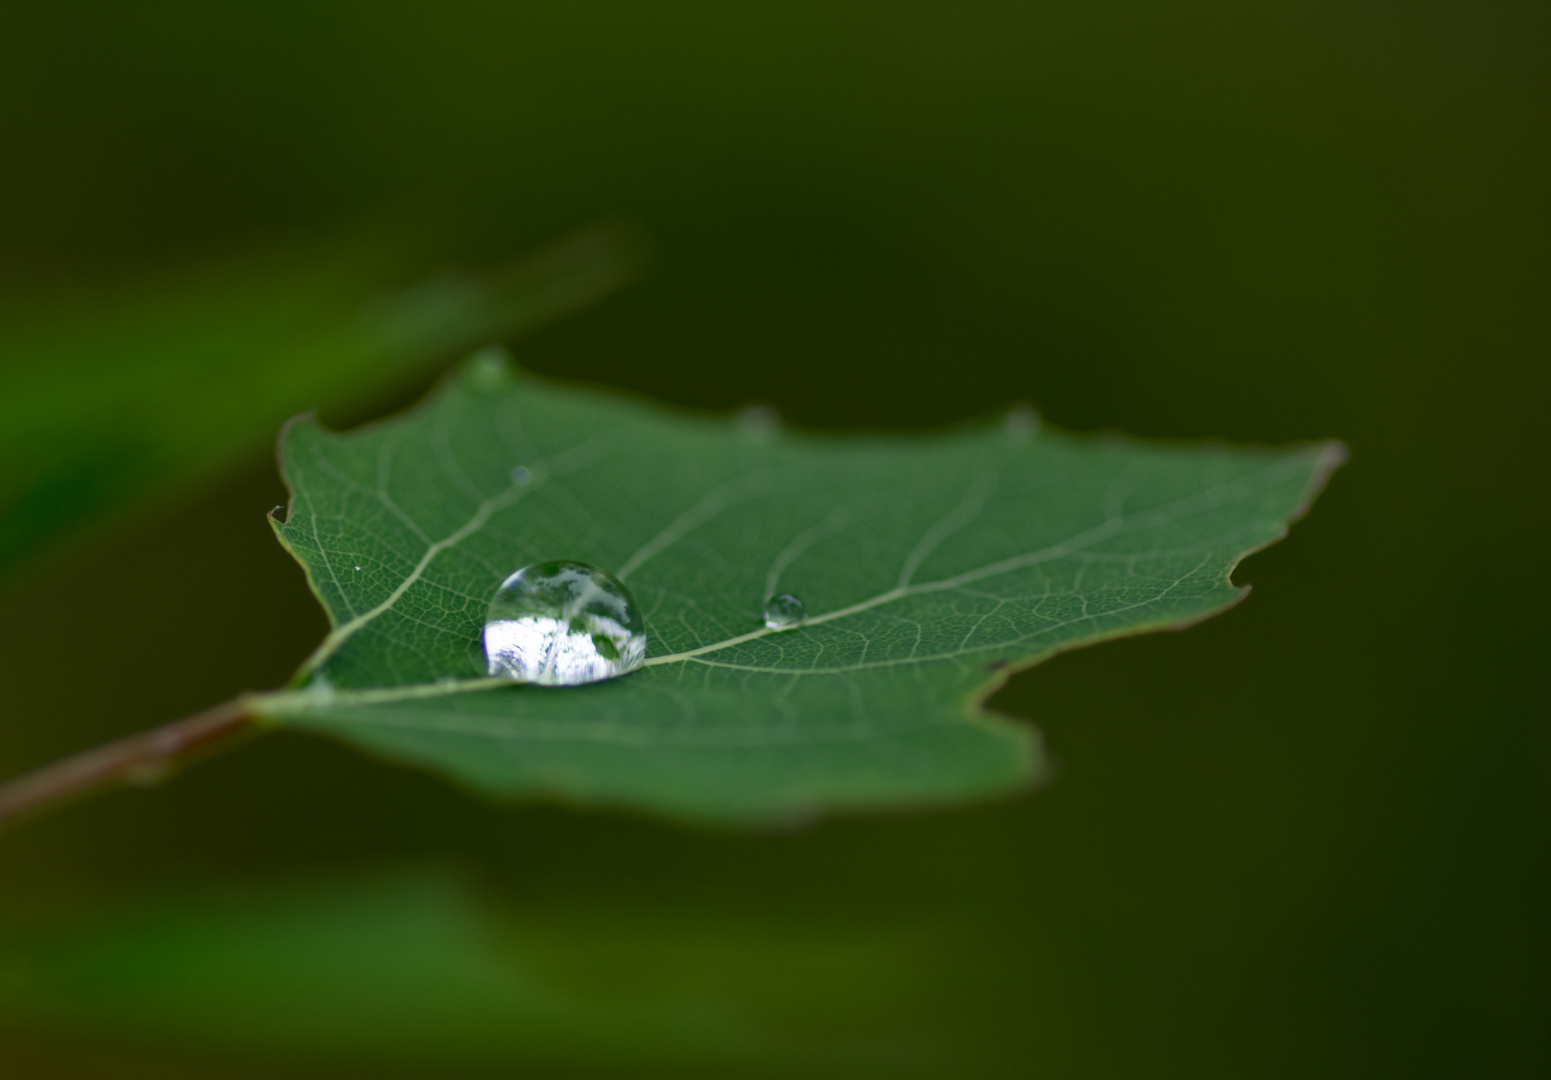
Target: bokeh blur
1307	838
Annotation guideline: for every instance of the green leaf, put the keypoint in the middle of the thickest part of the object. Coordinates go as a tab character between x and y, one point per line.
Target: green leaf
103	401
421	970
930	567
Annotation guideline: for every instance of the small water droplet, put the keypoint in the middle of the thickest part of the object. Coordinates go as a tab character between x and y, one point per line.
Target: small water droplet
358	569
563	624
1021	421
521	475
783	612
759	422
489	370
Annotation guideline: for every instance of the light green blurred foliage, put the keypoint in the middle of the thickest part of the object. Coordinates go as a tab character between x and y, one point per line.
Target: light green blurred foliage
421	971
105	400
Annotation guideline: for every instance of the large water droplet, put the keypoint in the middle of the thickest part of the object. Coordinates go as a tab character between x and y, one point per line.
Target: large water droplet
783	612
563	624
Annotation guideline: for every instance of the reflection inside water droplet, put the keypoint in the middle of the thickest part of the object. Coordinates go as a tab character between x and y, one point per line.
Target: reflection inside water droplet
563	624
521	475
783	612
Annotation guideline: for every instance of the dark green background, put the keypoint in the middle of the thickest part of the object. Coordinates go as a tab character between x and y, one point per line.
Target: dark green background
1308	838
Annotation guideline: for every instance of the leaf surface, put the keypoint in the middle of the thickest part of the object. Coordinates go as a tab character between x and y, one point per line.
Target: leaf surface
929	567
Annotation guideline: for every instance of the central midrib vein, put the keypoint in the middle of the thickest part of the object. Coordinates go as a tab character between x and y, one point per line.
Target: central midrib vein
280	700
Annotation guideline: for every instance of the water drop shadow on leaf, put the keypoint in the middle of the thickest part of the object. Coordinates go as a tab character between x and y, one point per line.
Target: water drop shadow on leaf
563	623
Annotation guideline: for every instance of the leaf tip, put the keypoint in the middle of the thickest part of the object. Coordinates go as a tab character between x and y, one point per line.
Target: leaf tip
1329	456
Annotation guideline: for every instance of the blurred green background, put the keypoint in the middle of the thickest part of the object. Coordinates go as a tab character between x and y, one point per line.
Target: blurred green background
1307	838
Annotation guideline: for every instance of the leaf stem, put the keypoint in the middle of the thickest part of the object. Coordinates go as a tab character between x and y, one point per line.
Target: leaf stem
139	759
